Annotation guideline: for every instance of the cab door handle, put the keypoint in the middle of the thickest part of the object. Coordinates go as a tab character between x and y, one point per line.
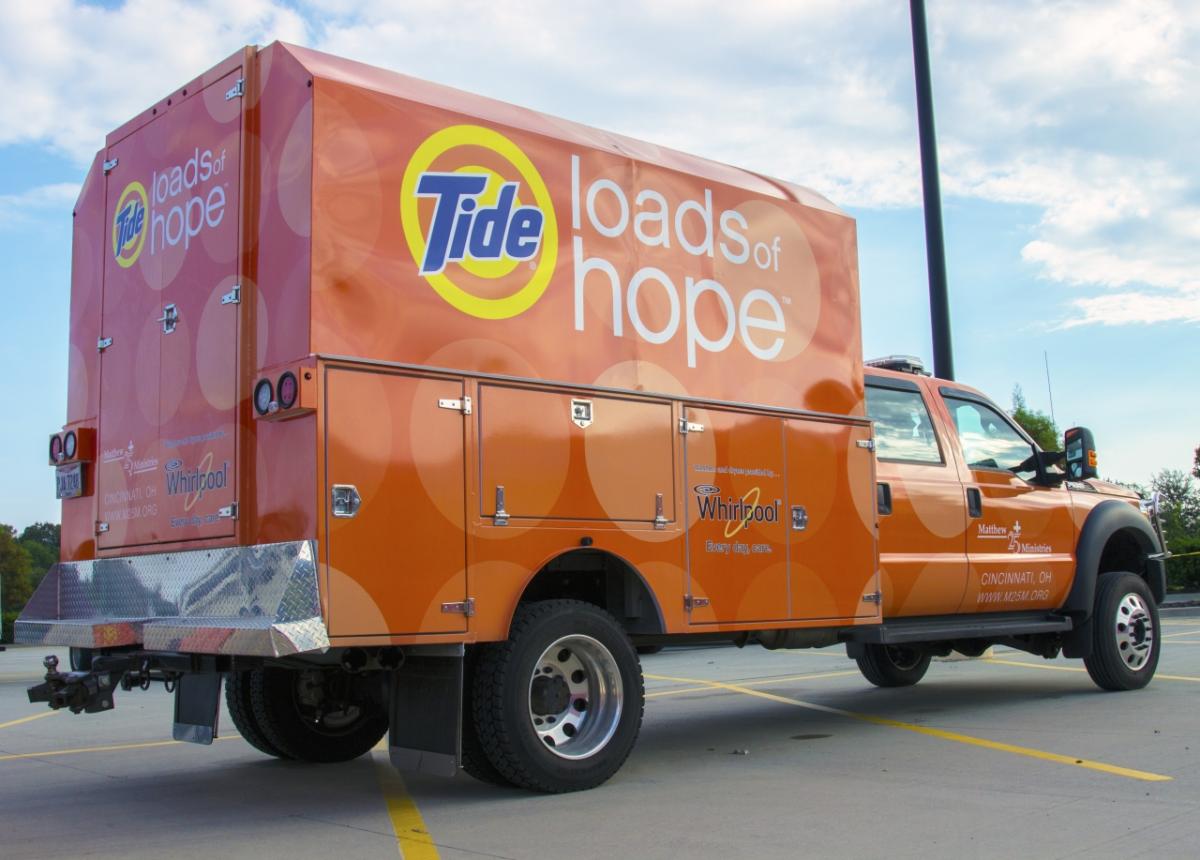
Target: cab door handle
974	502
883	498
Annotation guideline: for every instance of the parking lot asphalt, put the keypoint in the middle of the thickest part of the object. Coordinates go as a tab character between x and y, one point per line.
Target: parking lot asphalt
742	753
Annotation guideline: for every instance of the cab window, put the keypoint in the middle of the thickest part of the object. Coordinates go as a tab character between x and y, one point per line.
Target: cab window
903	430
988	440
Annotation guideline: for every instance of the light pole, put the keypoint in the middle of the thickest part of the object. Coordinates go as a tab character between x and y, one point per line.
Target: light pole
935	247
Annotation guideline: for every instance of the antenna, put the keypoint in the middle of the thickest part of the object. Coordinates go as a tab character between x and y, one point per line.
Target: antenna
1049	390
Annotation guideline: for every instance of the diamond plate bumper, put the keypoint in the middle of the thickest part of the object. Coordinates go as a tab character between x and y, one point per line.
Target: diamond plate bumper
258	601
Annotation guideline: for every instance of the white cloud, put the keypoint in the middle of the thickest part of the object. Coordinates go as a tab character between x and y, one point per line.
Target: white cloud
18	209
1081	110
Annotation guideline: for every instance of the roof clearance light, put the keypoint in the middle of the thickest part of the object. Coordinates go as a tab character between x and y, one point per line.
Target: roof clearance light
263	396
287	390
69	445
56	448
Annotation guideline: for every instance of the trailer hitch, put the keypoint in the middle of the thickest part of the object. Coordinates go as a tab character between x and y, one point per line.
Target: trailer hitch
89	691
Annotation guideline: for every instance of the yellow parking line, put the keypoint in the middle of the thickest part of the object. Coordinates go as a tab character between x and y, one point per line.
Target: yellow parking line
28	719
1158	676
412	836
924	730
757	682
109	748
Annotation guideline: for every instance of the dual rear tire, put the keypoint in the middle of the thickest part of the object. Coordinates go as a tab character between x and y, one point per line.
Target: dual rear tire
315	715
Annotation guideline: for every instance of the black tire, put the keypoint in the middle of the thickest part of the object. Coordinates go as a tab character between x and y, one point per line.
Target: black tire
1125	633
241	711
474	759
596	729
893	665
318	715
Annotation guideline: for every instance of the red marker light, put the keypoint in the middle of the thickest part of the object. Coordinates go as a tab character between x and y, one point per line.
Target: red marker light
287	389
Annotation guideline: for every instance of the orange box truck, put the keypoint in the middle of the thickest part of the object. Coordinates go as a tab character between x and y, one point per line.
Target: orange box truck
397	409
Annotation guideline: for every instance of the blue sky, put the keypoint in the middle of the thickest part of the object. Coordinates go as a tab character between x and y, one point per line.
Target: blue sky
1067	134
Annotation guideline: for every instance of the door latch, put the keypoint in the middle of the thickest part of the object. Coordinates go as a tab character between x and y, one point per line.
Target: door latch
346	500
169	319
460	607
799	518
501	517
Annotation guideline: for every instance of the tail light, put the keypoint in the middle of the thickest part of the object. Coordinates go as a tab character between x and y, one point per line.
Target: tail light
293	393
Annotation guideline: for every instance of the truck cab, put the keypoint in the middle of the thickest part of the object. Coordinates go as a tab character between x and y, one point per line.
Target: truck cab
979	527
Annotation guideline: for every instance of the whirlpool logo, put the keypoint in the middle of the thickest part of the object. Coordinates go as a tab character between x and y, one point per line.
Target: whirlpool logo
734	512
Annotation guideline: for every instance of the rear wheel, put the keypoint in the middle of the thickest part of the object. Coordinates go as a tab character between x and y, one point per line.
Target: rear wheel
558	706
474	758
893	665
318	714
1125	633
241	711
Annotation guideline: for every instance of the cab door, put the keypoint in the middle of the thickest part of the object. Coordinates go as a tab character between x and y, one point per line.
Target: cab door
921	506
1021	536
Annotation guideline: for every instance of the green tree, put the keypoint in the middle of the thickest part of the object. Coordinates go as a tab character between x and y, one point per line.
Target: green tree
41	541
16	581
1037	424
1196	463
1179	505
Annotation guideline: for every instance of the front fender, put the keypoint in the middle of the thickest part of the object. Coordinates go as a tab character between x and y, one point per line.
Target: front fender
1105	520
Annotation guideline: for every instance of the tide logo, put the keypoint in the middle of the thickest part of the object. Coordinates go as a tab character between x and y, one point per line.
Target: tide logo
489	242
129	224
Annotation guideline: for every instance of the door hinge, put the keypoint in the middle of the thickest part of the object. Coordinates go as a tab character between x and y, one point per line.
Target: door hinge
874	597
101	527
869	444
501	516
229	512
110	164
463	405
233	297
236	91
103	344
686	427
660	519
460	607
169	319
690	603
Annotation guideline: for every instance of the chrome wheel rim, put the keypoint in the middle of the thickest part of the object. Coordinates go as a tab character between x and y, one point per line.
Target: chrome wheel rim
575	697
1134	629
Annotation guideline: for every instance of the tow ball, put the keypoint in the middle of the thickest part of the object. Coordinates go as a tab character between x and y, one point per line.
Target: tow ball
88	691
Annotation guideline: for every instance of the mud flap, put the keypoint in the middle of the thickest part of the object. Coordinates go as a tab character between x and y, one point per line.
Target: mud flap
197	704
426	712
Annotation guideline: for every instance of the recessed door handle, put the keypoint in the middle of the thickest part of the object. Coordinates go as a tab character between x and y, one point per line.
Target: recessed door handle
346	500
883	498
974	502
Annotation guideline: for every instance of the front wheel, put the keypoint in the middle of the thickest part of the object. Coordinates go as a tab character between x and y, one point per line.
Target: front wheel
1125	633
892	665
558	706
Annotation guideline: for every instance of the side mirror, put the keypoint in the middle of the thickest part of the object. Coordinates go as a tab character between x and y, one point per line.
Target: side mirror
1081	454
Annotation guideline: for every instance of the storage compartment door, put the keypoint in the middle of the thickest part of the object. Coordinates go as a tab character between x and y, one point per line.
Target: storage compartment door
831	520
398	553
563	456
737	540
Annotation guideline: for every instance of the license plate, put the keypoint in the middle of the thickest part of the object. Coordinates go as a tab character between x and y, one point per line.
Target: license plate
69	481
